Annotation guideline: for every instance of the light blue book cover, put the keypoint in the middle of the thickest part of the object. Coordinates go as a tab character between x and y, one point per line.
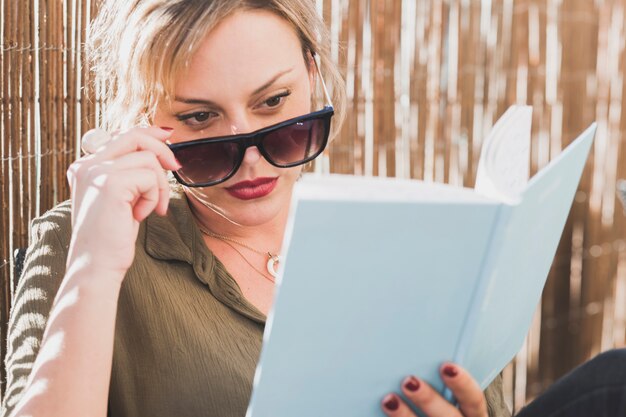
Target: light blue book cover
383	278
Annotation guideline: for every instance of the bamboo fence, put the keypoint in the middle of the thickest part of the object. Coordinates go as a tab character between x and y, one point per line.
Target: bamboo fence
426	81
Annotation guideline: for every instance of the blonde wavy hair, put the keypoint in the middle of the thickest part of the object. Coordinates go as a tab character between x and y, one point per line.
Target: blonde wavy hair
137	48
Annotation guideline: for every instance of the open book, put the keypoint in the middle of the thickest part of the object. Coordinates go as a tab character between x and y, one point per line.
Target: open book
384	278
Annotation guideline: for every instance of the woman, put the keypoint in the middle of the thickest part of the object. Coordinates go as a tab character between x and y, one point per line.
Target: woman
162	314
188	332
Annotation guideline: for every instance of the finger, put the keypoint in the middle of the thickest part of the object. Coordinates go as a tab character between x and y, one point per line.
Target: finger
135	187
140	139
393	406
422	395
146	204
147	160
144	192
93	140
465	389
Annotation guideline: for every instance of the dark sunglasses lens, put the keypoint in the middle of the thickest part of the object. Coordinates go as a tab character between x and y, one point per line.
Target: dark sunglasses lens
207	162
297	142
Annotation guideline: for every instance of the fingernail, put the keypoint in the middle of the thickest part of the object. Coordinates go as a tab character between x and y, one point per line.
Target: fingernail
167	129
391	403
411	383
178	164
450	371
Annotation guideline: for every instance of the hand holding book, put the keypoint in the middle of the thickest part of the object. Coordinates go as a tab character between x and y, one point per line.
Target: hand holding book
419	394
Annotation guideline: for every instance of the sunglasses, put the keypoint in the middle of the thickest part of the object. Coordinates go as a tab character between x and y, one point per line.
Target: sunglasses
210	161
294	142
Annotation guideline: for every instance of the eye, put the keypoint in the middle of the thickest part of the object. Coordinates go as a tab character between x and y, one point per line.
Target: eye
276	100
197	118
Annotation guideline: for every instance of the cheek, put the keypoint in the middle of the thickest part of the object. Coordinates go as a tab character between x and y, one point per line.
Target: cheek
291	177
293	171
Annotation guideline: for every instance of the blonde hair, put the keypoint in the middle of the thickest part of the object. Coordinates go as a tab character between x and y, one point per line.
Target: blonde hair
138	47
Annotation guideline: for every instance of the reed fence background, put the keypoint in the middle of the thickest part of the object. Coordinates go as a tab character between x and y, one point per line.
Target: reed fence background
426	81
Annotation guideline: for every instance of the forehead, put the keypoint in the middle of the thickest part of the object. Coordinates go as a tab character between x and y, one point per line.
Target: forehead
243	51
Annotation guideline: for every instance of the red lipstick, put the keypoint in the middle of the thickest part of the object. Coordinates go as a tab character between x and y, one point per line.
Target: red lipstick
249	190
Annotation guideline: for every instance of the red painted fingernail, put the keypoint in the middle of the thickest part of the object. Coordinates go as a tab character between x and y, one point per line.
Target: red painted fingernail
167	129
411	383
450	371
391	403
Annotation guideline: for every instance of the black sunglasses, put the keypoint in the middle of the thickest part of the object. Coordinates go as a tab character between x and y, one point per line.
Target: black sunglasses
296	141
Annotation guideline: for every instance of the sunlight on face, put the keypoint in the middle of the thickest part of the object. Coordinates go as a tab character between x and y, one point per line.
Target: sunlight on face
249	73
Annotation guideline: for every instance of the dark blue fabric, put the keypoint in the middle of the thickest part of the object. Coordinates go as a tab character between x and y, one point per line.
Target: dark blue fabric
595	389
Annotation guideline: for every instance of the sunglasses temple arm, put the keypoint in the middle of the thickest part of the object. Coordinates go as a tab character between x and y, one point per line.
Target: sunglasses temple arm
319	73
325	165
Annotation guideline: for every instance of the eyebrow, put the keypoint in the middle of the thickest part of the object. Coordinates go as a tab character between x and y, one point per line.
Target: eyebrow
259	90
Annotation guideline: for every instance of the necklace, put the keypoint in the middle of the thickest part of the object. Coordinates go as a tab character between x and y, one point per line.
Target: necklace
272	261
270	279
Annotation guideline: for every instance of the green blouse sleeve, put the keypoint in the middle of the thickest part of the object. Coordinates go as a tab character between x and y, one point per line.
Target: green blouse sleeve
44	269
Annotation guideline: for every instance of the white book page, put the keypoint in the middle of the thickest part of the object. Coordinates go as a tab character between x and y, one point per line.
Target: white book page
503	168
357	188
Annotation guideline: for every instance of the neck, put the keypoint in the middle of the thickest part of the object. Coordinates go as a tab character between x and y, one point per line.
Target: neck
266	236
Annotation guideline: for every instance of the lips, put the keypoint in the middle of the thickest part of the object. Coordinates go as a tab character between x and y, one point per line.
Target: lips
250	190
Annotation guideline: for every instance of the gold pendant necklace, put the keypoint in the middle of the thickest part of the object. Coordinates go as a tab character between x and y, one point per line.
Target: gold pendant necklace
272	261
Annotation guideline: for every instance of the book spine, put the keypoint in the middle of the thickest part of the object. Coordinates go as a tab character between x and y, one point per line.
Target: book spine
481	289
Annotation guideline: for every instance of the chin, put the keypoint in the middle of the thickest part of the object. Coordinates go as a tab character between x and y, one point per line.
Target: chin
250	212
261	214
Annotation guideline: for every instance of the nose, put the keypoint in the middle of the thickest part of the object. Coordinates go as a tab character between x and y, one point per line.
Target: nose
242	125
252	155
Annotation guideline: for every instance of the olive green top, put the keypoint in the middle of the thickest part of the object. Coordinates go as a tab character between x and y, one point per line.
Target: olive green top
186	340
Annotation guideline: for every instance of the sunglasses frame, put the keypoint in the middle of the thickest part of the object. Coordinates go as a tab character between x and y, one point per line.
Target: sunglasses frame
247	140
